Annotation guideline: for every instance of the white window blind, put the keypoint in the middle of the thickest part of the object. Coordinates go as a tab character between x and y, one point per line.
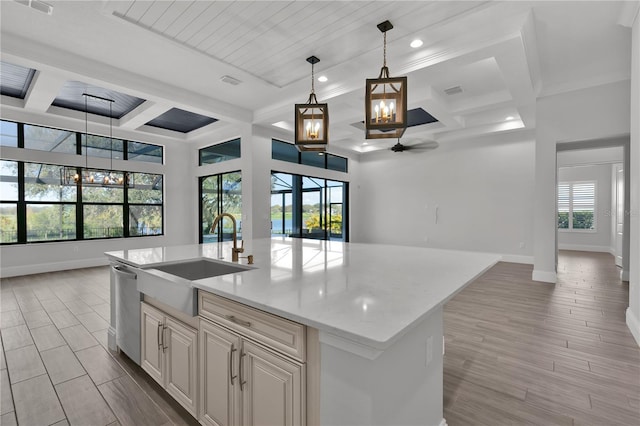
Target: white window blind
564	198
577	205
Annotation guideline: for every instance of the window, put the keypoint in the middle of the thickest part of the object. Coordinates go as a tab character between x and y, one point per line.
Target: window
220	193
8	133
102	146
37	206
138	151
145	204
335	162
50	206
8	201
220	152
56	140
47	139
576	206
284	151
308	207
102	211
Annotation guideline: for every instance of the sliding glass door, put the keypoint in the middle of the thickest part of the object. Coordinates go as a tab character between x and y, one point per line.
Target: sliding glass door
308	207
220	194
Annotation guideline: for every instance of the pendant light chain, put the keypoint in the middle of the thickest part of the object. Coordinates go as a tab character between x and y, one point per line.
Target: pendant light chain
313	91
384	50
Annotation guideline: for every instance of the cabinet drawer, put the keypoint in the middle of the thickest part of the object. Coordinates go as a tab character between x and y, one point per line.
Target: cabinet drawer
281	334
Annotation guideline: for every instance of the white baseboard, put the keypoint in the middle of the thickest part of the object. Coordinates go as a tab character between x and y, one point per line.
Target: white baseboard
634	325
514	258
544	276
584	247
39	268
624	275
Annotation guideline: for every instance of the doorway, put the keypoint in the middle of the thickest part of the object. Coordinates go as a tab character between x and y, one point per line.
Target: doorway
592	198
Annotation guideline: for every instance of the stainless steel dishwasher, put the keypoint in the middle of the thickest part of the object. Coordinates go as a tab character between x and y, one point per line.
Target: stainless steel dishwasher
127	310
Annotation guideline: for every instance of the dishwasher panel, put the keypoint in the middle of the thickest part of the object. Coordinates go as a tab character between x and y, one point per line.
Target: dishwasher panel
127	310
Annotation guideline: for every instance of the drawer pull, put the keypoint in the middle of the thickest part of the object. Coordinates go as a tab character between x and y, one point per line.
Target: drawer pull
232	318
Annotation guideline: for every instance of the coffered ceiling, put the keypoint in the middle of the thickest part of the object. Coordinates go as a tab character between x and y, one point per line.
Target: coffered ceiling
174	54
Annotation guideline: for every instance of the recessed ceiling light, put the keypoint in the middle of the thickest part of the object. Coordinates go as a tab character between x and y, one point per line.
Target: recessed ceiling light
365	143
509	117
416	43
322	78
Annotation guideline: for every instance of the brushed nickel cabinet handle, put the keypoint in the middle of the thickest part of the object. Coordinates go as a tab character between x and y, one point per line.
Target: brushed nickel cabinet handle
232	318
231	376
160	335
164	347
242	382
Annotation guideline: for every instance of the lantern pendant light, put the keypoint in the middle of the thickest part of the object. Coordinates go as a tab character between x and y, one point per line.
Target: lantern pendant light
385	100
312	120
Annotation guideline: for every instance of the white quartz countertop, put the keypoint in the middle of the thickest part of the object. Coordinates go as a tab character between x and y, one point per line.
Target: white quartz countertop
368	293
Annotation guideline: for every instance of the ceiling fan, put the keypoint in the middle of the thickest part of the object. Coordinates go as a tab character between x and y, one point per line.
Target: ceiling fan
421	145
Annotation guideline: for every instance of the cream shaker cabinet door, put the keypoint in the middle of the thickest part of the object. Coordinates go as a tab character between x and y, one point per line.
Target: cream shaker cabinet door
219	383
181	358
273	388
151	346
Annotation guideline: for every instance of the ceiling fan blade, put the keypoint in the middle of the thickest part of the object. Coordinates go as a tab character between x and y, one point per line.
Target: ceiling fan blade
426	145
420	146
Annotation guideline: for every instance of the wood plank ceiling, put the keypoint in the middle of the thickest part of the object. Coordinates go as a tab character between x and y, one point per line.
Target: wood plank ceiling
265	38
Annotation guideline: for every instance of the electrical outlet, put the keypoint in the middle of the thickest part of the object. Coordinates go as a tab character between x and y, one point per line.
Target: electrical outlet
429	350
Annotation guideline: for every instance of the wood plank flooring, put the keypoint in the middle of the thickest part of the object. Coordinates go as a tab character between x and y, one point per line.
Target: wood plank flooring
55	367
525	352
517	352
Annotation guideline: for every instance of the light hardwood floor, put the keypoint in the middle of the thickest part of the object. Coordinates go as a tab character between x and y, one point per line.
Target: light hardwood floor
517	352
524	352
55	365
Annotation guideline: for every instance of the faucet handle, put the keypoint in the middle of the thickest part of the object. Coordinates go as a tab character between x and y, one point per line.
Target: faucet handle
241	248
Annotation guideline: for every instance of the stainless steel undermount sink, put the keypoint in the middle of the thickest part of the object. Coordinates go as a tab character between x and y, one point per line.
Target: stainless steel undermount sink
200	268
171	283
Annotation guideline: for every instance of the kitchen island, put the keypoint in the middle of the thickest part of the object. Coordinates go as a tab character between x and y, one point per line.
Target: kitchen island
376	311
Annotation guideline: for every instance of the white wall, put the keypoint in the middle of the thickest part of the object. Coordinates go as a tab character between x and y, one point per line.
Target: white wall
633	312
594	113
482	189
600	240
